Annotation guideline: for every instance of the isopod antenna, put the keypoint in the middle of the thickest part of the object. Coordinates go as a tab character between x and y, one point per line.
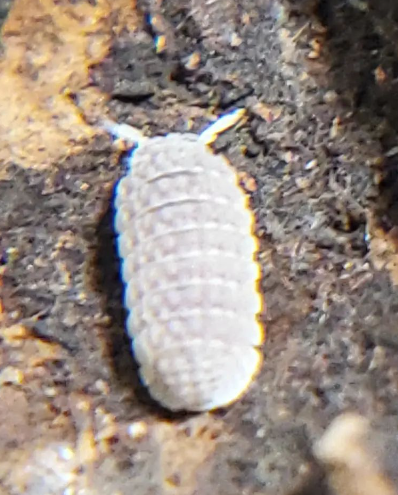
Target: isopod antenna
124	131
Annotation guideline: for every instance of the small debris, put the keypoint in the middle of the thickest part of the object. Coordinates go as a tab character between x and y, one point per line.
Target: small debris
247	182
49	470
311	164
235	40
137	430
316	46
392	151
380	75
330	96
15	332
161	43
303	182
11	376
269	113
351	463
193	61
86	446
336	128
103	387
246	20
106	425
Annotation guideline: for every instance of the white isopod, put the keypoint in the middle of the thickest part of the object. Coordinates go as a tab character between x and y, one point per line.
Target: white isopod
185	238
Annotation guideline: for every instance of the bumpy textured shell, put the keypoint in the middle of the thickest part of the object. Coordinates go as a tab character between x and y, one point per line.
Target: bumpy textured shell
187	249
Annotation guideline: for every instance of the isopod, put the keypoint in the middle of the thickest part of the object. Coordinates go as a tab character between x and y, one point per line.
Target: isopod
186	242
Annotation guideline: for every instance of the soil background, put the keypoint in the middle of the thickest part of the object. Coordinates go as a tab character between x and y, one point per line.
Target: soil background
317	154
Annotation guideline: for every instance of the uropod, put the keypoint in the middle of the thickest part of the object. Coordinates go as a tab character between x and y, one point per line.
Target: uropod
185	236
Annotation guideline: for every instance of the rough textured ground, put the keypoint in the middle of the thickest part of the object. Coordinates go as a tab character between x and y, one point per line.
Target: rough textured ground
318	156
